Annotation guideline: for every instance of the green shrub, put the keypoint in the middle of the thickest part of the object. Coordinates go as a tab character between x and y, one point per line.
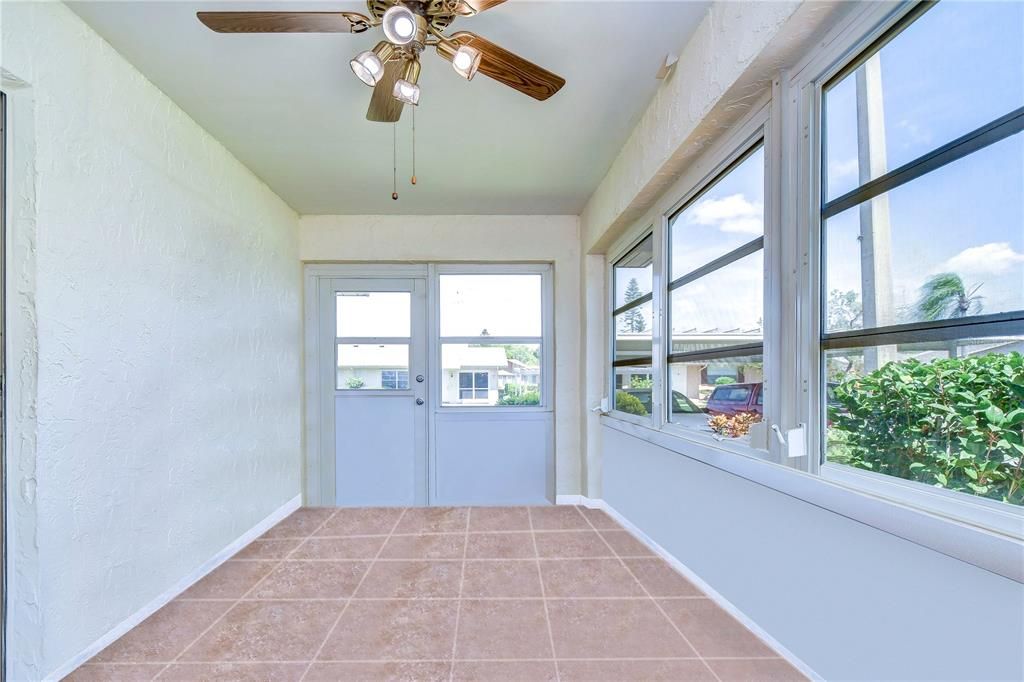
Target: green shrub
514	394
354	382
956	423
721	381
626	402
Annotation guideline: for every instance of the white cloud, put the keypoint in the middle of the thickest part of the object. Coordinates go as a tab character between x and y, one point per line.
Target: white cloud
993	258
733	213
840	170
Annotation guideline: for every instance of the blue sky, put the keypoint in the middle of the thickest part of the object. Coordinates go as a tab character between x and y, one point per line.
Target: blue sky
955	69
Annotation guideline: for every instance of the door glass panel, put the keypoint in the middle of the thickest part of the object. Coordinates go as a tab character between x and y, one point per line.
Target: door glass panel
491	305
374	313
372	366
482	374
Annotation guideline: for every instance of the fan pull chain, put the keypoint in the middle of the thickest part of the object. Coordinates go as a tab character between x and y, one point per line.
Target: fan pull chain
414	145
394	161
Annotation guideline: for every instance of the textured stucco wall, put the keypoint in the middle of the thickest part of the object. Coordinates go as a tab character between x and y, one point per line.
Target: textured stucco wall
164	282
724	69
481	238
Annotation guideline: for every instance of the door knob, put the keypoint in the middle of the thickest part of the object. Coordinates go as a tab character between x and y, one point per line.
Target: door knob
419	401
419	378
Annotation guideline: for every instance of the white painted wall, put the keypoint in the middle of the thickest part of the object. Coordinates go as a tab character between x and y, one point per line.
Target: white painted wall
852	602
156	352
502	239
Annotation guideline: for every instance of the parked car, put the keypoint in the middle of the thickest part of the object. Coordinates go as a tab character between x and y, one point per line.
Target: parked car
682	407
732	399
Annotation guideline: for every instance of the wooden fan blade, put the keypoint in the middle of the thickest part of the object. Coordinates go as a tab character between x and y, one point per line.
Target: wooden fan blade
284	22
508	68
384	108
468	8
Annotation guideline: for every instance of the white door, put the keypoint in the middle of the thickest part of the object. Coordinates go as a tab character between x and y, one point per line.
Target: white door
376	359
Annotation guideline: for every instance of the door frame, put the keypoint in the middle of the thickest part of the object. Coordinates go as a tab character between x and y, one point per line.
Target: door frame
417	365
319	460
318	450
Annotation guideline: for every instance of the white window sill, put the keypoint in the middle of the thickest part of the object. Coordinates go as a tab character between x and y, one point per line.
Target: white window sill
992	551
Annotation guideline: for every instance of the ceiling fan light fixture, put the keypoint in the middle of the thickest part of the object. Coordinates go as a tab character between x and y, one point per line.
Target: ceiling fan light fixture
369	66
406	92
466	61
399	24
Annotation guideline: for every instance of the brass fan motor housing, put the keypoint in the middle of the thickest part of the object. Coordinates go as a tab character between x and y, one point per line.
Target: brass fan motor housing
438	13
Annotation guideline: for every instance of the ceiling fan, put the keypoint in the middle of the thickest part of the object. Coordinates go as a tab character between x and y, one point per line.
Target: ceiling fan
392	68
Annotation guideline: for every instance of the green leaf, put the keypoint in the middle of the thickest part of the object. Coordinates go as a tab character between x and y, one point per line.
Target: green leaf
994	414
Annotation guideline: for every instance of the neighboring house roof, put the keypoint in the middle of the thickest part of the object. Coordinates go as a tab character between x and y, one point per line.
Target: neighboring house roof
457	356
639	345
396	356
374	355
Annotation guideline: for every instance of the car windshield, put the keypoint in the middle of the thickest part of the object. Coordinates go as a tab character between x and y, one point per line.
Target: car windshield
731	394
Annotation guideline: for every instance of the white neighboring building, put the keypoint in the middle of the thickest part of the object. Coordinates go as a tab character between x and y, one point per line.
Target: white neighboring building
470	375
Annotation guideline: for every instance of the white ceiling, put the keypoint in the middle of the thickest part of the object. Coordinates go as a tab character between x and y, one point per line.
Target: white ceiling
290	109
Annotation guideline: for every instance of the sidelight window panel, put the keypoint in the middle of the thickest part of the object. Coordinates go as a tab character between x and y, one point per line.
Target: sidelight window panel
491	344
491	305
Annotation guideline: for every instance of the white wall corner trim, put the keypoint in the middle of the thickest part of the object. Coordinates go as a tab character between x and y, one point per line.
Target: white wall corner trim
703	586
168	595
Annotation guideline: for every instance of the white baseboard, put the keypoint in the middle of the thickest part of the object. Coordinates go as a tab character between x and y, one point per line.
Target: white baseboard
579	501
160	601
721	601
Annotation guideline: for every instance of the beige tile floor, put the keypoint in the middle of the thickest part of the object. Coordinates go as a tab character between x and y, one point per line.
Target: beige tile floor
511	593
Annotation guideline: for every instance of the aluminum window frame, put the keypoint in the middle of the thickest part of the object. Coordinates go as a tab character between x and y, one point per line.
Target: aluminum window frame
755	129
632	242
988	530
1009	323
980	532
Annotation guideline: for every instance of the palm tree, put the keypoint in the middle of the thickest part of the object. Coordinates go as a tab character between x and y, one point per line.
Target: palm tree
944	296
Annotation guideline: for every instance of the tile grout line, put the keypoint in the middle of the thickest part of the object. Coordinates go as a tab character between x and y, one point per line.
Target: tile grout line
649	596
543	595
334	626
385	560
488	598
125	664
244	595
458	604
542	531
